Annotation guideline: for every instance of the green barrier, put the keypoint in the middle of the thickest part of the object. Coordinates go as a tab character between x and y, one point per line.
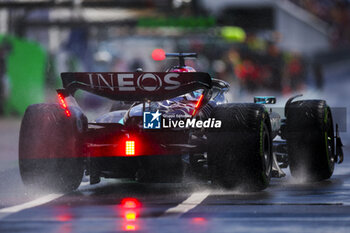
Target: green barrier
26	74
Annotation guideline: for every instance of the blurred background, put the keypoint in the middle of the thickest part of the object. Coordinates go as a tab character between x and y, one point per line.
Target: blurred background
278	47
261	47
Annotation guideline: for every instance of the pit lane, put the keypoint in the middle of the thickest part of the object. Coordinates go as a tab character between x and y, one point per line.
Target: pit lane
286	206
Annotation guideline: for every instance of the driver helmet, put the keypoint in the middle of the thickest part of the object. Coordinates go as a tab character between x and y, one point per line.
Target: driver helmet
182	69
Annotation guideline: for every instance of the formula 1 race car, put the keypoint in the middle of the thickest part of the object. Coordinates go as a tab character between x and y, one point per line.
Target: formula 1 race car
165	125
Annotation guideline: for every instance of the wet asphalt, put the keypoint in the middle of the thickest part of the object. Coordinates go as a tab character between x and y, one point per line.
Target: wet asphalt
287	205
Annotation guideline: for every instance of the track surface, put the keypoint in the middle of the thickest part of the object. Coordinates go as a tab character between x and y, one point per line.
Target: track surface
286	206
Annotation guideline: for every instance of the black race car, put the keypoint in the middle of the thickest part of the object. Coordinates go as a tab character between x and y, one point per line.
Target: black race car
165	125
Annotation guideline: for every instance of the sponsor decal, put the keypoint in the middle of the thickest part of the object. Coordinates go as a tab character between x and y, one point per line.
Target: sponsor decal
155	120
191	123
131	82
151	120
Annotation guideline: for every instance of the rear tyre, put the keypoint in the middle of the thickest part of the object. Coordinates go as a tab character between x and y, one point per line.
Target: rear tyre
49	148
240	152
310	140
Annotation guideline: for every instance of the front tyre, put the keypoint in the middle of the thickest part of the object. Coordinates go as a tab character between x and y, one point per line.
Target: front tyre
49	152
240	153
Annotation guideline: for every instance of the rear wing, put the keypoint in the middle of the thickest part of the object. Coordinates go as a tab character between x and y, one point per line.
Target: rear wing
136	86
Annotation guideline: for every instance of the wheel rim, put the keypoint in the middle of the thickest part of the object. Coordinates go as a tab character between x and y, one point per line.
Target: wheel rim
266	153
330	140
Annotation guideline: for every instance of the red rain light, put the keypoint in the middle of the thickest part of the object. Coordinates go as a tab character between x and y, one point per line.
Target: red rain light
64	104
130	148
197	105
158	54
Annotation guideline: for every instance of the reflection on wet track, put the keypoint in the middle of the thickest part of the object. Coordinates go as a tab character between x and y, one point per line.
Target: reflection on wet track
115	206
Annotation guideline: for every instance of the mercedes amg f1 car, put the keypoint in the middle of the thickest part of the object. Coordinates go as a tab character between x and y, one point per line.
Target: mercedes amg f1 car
165	125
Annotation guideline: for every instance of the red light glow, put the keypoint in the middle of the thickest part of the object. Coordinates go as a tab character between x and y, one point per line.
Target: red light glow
197	105
130	215
130	203
130	227
64	104
199	220
158	54
64	217
130	212
130	148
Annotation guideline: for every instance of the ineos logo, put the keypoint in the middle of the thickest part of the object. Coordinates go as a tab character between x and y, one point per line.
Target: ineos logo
141	80
125	81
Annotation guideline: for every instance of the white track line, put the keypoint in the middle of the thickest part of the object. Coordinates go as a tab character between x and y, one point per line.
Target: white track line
37	202
191	202
31	204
